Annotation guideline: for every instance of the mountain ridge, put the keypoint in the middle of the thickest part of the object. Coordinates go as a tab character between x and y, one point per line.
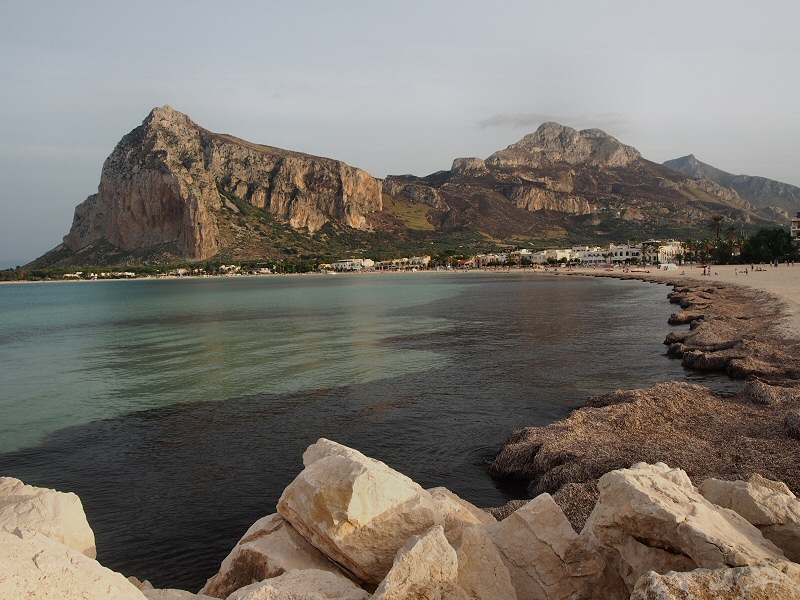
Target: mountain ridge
762	192
172	189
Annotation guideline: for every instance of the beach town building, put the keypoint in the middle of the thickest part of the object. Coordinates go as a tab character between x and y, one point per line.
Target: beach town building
661	252
795	229
353	264
589	255
624	254
480	261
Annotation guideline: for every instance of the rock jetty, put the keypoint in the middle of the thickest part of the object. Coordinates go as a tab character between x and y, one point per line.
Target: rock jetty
350	527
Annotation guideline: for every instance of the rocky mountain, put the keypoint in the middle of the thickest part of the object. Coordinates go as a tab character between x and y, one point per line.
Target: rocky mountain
172	190
169	181
560	180
782	198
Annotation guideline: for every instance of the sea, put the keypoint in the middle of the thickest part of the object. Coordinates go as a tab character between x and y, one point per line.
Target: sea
178	410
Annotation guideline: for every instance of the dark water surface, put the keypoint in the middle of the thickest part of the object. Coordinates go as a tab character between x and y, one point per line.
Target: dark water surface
179	410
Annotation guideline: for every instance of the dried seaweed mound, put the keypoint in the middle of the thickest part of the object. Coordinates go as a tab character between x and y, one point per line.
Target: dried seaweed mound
707	434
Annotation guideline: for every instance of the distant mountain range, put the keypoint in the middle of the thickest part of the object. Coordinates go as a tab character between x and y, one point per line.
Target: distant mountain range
172	190
780	198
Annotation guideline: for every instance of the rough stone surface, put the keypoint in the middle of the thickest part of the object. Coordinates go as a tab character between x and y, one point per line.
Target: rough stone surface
356	510
458	513
172	594
759	392
165	180
553	143
35	567
307	584
58	515
425	568
791	423
547	559
268	549
481	571
708	434
651	518
776	514
741	583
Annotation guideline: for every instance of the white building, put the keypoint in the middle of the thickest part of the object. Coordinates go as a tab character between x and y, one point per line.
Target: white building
353	264
551	255
594	255
795	230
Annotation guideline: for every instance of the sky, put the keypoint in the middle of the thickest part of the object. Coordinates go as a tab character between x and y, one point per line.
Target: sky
392	88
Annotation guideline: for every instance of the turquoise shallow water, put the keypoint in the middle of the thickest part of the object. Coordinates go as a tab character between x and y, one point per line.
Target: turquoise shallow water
178	410
76	352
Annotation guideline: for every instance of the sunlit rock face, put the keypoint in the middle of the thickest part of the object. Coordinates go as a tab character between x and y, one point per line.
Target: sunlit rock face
166	179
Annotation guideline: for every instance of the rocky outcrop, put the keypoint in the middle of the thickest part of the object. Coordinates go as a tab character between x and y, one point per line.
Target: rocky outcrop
355	509
651	532
546	558
651	518
481	571
535	198
37	567
268	549
426	567
775	511
741	583
166	181
307	584
58	515
554	143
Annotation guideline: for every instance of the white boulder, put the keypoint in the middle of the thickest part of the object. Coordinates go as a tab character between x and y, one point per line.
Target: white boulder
58	515
481	571
33	566
269	548
426	568
651	518
547	559
306	584
740	583
356	510
458	513
775	513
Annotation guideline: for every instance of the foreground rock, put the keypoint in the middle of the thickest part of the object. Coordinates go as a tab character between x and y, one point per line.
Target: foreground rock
355	509
754	583
270	548
651	533
306	584
651	518
546	559
481	570
427	567
34	566
774	510
58	515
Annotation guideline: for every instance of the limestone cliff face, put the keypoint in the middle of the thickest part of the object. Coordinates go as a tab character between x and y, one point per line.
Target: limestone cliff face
536	198
554	143
162	183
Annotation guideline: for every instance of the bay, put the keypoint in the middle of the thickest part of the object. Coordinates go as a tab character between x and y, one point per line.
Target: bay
178	410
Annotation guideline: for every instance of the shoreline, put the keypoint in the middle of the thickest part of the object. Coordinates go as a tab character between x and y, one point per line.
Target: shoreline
740	324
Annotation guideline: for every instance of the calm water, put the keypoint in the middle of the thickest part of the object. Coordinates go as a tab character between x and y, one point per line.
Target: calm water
179	410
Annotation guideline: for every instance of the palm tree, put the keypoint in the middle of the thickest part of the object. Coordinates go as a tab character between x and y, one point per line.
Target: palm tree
717	222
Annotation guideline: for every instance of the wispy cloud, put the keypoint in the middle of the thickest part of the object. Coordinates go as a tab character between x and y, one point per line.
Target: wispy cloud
610	122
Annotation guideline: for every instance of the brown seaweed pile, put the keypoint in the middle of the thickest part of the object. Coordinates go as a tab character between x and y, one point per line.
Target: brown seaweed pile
707	434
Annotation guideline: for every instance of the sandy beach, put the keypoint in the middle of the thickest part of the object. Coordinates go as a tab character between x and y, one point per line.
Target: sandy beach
782	282
747	326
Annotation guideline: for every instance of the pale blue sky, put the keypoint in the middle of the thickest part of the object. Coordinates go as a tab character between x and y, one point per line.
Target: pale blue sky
390	88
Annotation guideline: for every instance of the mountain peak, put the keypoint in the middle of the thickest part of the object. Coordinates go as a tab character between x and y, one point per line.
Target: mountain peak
554	143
